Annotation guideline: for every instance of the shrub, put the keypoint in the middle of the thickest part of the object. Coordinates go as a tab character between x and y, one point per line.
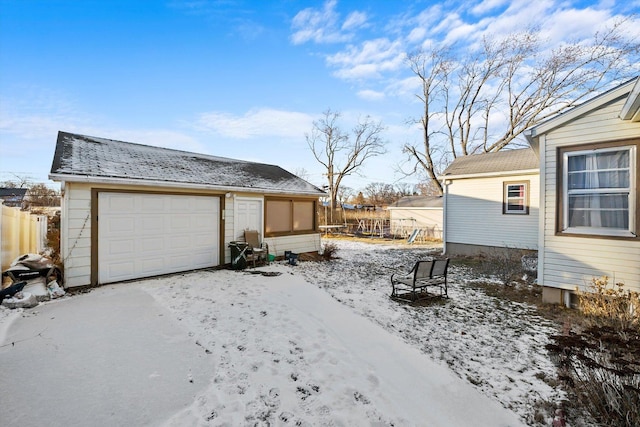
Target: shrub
610	305
329	251
506	265
601	364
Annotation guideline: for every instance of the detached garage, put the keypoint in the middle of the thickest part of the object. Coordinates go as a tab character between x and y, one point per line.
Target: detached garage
131	211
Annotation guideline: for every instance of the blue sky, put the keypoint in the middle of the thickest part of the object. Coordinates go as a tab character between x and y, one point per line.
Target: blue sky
234	78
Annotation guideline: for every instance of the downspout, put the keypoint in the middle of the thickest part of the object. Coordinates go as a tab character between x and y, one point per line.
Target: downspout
446	183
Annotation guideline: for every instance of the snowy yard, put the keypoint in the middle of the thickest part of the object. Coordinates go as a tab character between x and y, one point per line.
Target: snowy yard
284	352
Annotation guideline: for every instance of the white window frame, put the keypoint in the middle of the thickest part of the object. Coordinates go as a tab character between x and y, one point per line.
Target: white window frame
524	198
631	190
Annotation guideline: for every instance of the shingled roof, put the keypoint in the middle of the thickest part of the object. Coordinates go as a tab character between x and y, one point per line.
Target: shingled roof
418	202
501	161
83	158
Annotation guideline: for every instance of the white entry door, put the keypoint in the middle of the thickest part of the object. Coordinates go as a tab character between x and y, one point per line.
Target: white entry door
143	235
248	216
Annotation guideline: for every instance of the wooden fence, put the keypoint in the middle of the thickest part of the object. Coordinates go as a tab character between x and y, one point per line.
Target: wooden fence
20	233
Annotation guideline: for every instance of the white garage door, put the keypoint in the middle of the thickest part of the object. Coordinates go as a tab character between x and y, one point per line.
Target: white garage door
142	235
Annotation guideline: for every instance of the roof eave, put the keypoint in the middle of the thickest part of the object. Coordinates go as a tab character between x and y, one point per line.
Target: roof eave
581	109
172	184
631	108
490	174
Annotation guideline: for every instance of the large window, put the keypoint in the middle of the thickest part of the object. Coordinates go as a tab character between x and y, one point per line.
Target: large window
516	198
598	191
289	216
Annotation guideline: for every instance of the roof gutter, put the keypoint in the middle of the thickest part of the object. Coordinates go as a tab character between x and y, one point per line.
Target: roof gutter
490	174
172	184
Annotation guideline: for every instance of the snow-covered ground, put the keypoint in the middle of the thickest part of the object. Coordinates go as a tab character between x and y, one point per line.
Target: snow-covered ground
321	343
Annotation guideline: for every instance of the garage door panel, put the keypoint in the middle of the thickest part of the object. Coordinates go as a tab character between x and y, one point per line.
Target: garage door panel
121	270
151	245
151	266
200	240
152	204
119	225
121	247
164	234
180	222
152	224
202	260
180	243
121	204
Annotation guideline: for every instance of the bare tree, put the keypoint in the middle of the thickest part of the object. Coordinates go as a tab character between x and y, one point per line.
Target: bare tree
341	154
484	102
405	189
301	173
379	193
40	195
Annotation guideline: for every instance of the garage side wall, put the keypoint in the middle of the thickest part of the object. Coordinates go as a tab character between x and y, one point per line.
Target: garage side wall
75	240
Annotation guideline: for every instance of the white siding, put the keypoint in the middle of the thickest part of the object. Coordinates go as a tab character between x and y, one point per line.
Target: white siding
76	235
76	231
297	243
474	213
566	261
425	217
411	218
229	235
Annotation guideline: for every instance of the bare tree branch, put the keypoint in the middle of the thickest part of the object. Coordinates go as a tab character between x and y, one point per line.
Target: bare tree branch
486	100
340	154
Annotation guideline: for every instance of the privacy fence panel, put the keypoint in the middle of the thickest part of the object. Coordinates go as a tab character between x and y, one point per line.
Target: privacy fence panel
21	233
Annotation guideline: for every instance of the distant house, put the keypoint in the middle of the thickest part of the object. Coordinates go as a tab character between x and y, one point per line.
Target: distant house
491	203
13	197
132	211
590	201
417	212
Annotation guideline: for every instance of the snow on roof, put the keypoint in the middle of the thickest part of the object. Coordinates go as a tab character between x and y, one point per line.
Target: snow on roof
501	161
418	202
87	156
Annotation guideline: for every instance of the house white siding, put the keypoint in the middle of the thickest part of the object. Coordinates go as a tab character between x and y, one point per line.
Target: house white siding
415	217
569	261
474	210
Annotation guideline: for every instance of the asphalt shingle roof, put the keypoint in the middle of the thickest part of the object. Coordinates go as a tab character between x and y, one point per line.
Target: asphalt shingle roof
501	161
87	156
418	202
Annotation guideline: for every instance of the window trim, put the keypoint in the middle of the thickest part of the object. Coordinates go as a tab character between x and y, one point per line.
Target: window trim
292	230
505	197
562	191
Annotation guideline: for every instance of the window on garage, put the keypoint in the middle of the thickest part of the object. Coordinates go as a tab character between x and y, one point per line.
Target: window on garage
289	216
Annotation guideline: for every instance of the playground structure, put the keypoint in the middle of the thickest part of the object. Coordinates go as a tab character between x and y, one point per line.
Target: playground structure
384	228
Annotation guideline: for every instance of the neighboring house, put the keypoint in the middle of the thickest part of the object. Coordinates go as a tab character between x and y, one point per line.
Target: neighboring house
417	212
13	197
491	203
590	206
132	211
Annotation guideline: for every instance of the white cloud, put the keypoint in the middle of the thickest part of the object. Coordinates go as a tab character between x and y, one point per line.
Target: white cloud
258	122
369	59
371	95
354	20
322	25
488	5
